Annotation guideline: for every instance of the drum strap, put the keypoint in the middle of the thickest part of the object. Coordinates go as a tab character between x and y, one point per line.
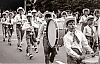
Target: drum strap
77	51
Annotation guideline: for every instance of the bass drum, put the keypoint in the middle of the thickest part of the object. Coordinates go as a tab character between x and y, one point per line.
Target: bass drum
55	32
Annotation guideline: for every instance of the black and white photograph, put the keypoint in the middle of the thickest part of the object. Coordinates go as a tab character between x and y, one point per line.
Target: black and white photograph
49	31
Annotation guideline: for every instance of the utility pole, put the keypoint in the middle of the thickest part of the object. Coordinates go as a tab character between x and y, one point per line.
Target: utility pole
25	5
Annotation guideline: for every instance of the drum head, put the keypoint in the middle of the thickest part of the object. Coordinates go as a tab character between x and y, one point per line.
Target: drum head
52	33
93	60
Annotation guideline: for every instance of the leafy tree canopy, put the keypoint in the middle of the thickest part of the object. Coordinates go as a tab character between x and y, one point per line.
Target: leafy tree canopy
73	5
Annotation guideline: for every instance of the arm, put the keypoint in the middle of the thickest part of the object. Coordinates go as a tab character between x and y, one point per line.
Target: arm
15	19
85	43
40	33
67	45
81	20
1	21
84	31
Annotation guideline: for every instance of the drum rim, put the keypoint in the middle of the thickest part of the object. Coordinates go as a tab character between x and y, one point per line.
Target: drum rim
57	32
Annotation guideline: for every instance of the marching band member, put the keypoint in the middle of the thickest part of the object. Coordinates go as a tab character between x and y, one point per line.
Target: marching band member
46	44
40	18
34	19
7	17
96	17
68	13
36	26
4	28
30	35
82	21
90	32
74	42
20	18
10	21
96	20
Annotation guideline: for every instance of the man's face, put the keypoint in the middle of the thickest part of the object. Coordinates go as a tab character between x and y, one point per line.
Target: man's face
4	15
40	15
20	11
34	13
47	18
90	22
71	25
29	18
86	12
97	14
10	15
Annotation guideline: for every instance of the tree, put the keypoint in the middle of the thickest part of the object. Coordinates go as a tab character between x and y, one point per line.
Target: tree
74	5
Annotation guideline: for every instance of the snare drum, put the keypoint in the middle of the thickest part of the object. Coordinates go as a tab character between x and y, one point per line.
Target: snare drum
93	60
55	32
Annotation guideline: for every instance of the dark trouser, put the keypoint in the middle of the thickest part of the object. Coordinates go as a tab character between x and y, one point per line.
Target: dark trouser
10	31
36	32
31	40
71	60
92	43
48	50
20	33
4	30
83	25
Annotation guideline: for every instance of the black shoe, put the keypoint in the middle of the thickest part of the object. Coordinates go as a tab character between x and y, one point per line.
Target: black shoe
30	56
20	49
6	36
4	40
17	46
36	50
9	40
9	43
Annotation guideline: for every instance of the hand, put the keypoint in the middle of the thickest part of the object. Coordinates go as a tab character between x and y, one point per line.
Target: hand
93	55
81	58
96	44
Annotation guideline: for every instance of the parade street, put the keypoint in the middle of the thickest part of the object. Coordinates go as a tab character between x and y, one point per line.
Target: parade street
10	54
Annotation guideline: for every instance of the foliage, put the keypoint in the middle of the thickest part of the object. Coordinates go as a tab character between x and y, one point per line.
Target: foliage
73	5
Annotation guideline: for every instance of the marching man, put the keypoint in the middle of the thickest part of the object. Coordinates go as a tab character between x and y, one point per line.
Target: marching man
3	22
82	21
10	29
34	19
74	42
30	35
20	18
47	48
90	33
